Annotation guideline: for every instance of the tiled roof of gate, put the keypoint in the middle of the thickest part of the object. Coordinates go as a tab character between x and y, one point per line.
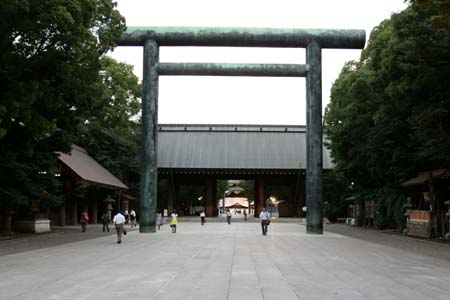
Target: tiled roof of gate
234	147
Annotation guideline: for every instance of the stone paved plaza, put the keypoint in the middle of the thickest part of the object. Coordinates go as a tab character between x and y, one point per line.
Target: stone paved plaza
220	261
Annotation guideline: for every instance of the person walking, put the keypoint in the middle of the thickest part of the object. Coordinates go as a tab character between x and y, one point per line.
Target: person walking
105	221
228	216
265	220
245	215
119	223
84	218
202	217
174	221
159	220
126	215
133	218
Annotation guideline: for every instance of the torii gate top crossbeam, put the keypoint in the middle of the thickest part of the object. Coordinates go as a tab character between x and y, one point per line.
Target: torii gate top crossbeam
244	37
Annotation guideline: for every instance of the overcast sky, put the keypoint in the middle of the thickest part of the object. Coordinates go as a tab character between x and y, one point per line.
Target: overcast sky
246	100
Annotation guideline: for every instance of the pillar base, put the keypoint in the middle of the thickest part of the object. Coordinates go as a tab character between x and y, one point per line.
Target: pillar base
147	229
311	229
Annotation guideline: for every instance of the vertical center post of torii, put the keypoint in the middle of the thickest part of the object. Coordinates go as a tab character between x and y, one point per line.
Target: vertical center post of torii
314	40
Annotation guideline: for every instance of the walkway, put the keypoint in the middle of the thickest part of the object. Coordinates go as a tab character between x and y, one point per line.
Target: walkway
220	261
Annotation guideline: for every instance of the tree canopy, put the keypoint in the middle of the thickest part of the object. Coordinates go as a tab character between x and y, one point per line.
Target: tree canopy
50	72
112	132
389	112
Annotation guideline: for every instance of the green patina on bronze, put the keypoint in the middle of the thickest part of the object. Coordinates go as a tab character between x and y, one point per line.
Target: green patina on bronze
149	171
314	40
314	186
244	37
208	69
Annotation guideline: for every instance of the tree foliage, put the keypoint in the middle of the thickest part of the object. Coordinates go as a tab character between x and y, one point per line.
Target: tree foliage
389	112
49	74
112	132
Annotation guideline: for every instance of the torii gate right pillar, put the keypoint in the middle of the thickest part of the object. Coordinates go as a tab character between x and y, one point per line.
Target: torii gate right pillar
314	184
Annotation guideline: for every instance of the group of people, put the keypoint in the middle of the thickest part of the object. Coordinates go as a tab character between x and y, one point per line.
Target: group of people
120	220
264	216
173	221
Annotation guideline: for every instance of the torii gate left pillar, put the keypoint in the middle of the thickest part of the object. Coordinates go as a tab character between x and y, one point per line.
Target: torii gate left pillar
149	168
314	40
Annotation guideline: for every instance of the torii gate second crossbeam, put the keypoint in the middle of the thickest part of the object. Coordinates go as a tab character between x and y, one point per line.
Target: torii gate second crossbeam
314	40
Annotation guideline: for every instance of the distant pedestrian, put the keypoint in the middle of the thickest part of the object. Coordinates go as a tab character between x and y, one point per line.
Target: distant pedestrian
84	218
133	218
119	221
202	217
245	215
159	219
105	221
228	216
174	221
265	220
126	216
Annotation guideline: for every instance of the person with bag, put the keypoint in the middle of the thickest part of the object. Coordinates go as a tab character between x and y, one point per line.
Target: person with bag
174	221
119	223
265	220
83	221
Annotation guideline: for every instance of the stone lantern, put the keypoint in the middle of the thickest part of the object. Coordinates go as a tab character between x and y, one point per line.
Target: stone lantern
408	207
108	203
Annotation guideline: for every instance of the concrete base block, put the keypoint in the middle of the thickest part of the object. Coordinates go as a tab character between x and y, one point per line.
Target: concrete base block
34	226
422	229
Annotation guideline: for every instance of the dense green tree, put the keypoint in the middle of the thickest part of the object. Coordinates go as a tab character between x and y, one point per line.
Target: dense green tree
49	62
112	131
49	57
389	112
336	190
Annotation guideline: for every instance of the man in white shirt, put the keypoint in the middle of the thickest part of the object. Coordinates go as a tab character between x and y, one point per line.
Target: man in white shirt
265	219
119	221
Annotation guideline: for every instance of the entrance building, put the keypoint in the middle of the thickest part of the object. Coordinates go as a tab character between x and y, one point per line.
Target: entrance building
200	155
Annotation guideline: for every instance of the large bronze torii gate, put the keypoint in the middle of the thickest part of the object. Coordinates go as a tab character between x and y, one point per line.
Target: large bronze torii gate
314	40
